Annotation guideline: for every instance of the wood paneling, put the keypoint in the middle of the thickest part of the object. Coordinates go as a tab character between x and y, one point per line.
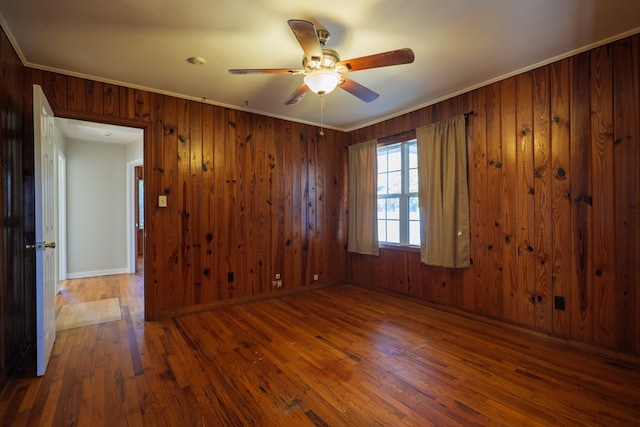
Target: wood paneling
246	194
554	191
15	299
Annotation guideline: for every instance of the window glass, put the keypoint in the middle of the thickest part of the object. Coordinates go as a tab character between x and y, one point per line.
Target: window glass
398	207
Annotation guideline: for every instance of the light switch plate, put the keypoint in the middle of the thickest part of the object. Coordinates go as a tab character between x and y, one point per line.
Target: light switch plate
162	201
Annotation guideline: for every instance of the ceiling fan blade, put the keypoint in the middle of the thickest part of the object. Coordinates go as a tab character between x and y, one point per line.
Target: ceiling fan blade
357	90
297	95
306	34
384	59
265	71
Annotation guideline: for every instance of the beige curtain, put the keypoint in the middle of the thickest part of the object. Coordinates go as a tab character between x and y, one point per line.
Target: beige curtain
443	193
363	198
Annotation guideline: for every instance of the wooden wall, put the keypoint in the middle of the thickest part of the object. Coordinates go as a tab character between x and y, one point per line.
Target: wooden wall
554	187
248	196
14	327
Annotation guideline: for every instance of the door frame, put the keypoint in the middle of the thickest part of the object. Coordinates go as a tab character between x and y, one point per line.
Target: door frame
61	176
131	212
149	301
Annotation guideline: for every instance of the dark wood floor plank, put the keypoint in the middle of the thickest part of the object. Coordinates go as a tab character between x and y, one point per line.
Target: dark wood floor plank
328	357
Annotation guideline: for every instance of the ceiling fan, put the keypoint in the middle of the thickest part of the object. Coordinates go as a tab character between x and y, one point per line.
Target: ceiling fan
322	68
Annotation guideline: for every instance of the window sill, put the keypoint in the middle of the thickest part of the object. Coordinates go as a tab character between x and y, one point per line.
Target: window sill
399	248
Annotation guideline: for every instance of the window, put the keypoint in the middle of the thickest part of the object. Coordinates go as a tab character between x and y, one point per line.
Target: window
398	207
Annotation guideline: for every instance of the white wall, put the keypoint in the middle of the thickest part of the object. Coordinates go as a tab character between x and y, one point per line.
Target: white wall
61	208
135	151
96	208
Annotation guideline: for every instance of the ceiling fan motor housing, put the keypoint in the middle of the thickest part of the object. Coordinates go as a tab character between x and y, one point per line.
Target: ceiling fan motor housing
328	61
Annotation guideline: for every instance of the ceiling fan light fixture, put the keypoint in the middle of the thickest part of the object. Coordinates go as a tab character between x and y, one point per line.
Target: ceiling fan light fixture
322	81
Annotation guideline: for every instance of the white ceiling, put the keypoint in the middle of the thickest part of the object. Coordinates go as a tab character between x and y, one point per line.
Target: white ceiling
458	45
98	132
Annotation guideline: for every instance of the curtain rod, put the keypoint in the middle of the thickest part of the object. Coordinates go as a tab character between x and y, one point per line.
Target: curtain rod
411	131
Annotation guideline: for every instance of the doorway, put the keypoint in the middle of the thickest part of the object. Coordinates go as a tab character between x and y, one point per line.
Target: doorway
105	213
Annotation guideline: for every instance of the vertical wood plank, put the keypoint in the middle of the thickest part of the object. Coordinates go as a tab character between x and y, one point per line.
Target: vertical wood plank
525	301
509	196
153	178
627	196
209	271
542	200
197	208
93	96
126	100
602	196
262	199
291	190
230	205
221	235
311	205
243	244
561	194
142	105
281	165
75	93
319	214
494	247
635	64
110	100
54	86
299	182
302	274
581	304
184	264
170	268
475	293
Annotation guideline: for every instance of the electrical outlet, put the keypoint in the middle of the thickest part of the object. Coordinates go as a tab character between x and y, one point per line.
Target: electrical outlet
315	277
230	276
162	201
278	283
558	302
277	276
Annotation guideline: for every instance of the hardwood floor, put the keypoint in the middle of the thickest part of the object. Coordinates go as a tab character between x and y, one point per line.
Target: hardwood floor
339	356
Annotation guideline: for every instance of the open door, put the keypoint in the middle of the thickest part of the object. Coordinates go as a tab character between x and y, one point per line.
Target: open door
139	215
46	225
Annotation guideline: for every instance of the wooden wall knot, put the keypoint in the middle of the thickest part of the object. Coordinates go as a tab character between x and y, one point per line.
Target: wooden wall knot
540	172
619	141
586	199
561	173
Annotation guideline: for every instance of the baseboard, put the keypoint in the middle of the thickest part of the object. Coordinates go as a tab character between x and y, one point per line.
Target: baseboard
82	274
175	312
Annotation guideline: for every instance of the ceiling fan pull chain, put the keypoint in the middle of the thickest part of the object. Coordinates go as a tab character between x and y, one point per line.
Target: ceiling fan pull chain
322	115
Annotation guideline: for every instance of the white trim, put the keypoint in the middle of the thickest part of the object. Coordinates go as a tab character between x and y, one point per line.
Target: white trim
96	273
131	220
62	216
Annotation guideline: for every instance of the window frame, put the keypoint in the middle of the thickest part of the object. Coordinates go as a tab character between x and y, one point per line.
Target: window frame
404	142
